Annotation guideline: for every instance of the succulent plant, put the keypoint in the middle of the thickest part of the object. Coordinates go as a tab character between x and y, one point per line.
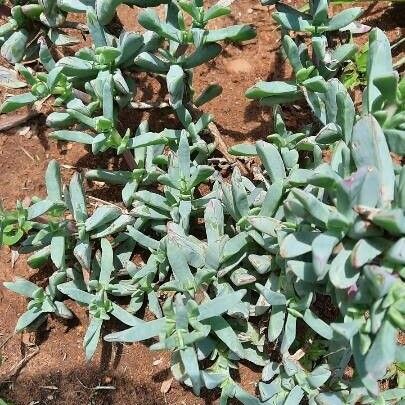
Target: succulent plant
297	269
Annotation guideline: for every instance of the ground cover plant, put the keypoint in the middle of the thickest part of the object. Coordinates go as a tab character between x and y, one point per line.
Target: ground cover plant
238	273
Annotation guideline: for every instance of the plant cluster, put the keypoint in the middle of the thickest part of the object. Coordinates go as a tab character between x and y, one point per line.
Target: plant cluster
298	271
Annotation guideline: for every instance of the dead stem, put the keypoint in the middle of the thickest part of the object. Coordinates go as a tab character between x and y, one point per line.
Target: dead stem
17	367
82	96
219	142
99	200
129	159
75	25
223	148
300	353
140	105
6	340
16	120
399	63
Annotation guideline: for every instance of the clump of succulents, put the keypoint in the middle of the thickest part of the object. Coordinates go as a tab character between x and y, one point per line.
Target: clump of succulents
309	244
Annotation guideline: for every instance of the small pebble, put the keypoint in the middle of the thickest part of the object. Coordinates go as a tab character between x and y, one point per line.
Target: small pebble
238	66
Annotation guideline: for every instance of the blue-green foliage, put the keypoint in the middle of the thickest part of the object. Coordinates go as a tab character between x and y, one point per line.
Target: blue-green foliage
298	271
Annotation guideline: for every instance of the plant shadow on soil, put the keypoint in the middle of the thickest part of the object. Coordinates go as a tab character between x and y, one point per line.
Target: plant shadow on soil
94	384
68	388
391	18
118	373
75	386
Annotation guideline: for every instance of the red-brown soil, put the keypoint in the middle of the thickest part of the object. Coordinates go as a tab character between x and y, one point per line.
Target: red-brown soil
59	373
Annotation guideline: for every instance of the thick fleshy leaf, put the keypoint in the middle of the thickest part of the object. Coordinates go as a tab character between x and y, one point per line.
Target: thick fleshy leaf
202	55
322	247
381	354
208	94
345	114
58	251
268	89
235	245
15	102
179	264
396	140
366	250
72	136
39	258
27	318
243	149
303	270
316	84
74	66
342	274
220	304
272	160
347	329
261	263
190	362
53	181
312	204
96	29
295	396
370	149
107	265
129	44
379	63
146	139
59	38
22	286
319	12
82	252
175	85
319	376
105	10
396	253
318	325
73	292
151	63
125	317
39	208
289	333
9	79
138	333
292	52
291	19
272	297
92	336
77	198
276	322
344	18
235	33
102	216
297	244
239	194
272	199
14	48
